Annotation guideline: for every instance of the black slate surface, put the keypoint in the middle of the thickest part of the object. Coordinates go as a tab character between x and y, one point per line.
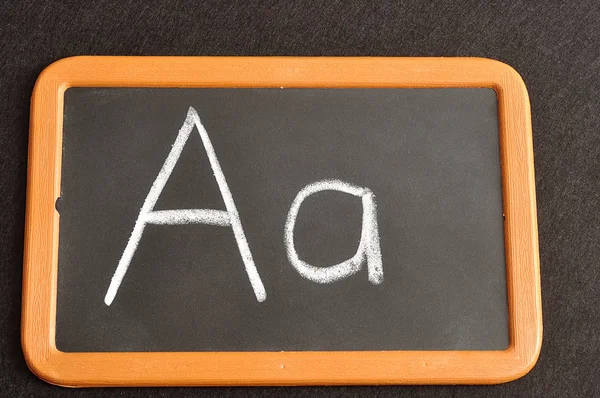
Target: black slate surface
553	45
430	157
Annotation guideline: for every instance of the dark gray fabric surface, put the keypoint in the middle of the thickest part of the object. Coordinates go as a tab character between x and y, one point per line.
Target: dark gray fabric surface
554	45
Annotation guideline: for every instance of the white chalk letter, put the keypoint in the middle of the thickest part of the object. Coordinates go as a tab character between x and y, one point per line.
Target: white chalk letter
227	218
369	249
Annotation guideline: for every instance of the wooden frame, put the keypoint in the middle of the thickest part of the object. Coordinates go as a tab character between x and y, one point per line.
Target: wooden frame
278	368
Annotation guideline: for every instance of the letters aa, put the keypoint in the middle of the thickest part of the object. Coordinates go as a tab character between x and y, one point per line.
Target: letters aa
368	249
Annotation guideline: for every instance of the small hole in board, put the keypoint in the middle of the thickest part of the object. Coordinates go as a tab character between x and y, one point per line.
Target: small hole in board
57	204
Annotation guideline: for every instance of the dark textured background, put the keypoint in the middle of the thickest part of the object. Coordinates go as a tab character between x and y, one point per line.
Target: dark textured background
554	45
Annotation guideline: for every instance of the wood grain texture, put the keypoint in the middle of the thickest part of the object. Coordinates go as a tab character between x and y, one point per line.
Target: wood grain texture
279	368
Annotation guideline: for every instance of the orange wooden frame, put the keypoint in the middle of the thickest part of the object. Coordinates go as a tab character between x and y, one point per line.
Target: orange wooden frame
278	368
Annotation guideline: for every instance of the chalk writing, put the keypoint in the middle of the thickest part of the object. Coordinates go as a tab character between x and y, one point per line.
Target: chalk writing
368	251
188	216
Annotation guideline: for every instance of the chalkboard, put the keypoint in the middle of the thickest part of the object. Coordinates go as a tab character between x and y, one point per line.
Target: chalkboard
280	221
412	174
